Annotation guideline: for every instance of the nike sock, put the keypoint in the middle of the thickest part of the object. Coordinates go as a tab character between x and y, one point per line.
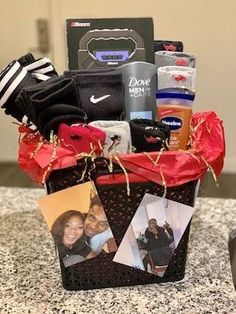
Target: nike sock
118	137
169	45
148	135
166	58
81	138
101	95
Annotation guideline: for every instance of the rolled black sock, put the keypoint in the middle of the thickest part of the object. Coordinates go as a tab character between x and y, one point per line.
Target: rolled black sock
101	95
23	101
148	135
57	110
169	45
53	124
63	91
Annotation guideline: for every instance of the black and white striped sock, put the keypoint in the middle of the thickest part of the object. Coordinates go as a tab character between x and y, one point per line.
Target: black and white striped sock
41	69
12	79
19	74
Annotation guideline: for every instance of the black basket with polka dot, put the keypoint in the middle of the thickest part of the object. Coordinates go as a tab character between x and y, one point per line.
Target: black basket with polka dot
101	272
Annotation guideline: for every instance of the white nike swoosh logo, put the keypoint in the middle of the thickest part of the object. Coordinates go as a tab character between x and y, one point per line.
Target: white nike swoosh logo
96	100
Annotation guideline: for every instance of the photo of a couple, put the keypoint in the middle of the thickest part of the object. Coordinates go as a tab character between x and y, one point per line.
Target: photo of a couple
80	229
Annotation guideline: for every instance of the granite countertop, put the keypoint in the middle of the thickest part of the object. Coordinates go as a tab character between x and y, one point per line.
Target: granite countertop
30	279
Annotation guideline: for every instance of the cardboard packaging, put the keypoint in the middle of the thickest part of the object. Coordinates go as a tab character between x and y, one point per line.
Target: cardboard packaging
94	43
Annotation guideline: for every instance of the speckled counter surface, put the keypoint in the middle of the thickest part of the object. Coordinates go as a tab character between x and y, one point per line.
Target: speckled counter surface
30	276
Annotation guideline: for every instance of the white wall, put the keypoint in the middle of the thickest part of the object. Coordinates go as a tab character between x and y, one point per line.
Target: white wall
18	36
207	28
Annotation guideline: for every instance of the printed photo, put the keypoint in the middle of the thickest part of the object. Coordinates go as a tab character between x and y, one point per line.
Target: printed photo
153	234
78	223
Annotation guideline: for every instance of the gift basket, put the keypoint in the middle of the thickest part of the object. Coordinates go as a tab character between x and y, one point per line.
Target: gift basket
82	127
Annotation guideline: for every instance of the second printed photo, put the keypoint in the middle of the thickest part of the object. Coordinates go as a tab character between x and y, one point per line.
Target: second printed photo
153	234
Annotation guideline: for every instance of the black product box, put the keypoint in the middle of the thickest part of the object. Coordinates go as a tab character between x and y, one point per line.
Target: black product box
94	43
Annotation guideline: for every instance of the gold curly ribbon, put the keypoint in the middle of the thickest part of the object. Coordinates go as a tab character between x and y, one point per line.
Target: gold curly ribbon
209	129
54	140
125	173
154	162
163	183
159	156
100	146
20	135
194	129
150	158
211	170
165	142
192	132
91	169
110	166
196	155
67	145
84	171
92	149
40	144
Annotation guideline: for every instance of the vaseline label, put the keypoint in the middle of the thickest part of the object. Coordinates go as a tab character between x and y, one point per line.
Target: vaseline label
173	123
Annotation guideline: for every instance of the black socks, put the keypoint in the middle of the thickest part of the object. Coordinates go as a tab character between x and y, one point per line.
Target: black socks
168	45
148	135
53	115
54	123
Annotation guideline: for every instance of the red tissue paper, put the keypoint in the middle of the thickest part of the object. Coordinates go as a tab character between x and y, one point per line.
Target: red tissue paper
170	168
178	167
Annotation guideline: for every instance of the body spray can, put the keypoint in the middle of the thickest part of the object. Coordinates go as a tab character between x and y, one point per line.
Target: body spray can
140	85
